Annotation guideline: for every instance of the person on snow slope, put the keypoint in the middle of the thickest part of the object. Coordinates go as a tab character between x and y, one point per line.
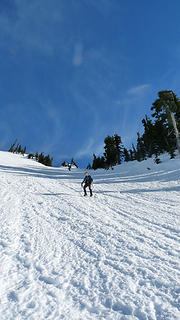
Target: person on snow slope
88	180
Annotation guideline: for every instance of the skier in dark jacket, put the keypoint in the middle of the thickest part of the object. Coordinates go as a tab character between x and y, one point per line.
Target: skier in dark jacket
87	183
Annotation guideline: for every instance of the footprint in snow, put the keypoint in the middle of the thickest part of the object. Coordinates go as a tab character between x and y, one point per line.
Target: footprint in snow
23	261
108	303
125	309
12	296
31	305
39	269
49	280
2	244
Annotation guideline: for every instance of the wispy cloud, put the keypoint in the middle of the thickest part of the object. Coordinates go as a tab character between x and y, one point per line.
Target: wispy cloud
133	96
57	128
138	90
86	150
32	26
89	148
78	55
137	98
103	6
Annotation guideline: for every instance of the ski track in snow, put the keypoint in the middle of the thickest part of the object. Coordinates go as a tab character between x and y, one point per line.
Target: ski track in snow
114	256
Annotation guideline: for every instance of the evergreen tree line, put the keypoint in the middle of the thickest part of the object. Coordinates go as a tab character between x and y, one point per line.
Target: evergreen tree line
41	158
113	153
17	148
69	164
160	134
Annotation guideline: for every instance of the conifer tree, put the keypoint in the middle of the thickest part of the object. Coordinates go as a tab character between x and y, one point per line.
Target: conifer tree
132	155
98	163
118	147
110	153
37	156
41	157
89	166
47	161
12	146
74	163
126	155
102	162
16	148
141	152
23	151
134	152
147	137
167	109
94	164
19	149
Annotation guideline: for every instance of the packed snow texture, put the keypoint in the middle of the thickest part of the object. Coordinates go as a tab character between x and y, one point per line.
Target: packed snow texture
112	256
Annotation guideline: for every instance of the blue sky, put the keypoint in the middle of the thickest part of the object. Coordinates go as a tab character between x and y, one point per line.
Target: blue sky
73	71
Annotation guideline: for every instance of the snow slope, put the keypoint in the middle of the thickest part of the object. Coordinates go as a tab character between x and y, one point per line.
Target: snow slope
113	256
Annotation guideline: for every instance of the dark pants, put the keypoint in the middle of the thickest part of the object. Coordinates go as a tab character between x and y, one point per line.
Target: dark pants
85	186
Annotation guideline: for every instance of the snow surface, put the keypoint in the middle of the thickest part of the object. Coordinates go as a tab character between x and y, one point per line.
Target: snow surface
112	256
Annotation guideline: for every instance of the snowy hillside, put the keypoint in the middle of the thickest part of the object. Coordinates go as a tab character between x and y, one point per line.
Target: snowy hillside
114	256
